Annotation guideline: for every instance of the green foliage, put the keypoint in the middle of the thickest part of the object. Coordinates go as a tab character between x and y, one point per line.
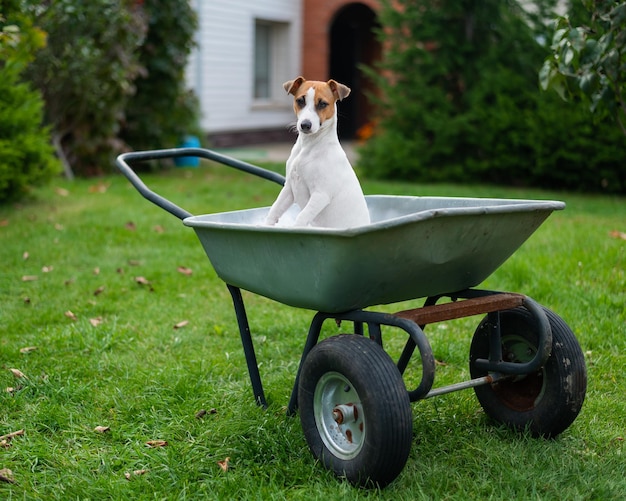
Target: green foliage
86	75
459	102
26	156
162	110
589	61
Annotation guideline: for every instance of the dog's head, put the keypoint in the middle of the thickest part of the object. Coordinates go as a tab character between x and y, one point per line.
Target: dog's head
315	103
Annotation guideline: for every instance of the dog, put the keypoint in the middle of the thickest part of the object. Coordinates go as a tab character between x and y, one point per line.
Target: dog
319	177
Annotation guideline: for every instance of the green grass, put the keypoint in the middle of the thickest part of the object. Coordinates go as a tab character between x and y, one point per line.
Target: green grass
137	374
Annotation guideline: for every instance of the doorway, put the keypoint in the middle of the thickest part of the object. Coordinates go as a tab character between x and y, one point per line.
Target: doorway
353	42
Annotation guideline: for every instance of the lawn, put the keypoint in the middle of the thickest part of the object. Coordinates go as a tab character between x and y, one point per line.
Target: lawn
120	357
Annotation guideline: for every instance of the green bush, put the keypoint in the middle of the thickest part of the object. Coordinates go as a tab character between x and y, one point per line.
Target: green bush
459	101
86	74
26	155
162	111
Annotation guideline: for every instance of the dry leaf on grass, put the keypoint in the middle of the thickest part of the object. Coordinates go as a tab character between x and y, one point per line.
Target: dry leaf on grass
47	269
156	443
71	315
25	256
18	374
99	188
131	226
4	222
135	473
159	229
184	270
6	476
27	349
102	429
99	290
95	321
181	324
12	389
29	278
224	464
9	436
618	234
142	280
62	192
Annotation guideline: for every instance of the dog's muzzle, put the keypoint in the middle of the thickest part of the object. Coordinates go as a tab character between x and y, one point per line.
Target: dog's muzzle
305	126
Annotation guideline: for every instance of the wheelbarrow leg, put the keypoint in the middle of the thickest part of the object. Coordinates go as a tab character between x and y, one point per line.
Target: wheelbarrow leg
248	346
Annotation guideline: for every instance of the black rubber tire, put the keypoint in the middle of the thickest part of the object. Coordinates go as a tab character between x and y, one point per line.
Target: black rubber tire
348	374
545	402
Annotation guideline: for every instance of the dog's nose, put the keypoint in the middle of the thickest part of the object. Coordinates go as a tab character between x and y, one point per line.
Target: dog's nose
305	126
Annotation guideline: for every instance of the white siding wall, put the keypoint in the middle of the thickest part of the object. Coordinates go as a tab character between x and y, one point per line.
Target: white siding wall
221	68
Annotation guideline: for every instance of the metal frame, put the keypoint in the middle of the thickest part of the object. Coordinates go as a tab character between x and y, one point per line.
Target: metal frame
413	322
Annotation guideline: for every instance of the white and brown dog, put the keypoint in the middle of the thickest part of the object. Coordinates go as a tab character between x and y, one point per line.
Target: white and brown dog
319	177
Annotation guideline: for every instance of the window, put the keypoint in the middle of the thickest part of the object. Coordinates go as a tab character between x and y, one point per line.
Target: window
270	58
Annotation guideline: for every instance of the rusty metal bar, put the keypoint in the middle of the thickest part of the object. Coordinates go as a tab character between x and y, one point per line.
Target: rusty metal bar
460	309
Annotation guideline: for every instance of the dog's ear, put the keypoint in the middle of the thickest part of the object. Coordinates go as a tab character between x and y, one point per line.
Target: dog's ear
340	91
292	86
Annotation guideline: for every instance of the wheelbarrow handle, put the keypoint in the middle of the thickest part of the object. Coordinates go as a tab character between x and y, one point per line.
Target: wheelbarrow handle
125	160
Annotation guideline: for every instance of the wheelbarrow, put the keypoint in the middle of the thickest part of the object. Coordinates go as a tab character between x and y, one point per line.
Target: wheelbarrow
526	366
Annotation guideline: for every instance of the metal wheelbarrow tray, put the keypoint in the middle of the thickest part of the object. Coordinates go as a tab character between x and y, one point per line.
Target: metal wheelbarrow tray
526	366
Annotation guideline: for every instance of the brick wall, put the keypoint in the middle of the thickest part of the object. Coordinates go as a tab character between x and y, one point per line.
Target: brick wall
318	16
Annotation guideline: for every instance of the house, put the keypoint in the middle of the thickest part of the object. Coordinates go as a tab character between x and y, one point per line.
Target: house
246	49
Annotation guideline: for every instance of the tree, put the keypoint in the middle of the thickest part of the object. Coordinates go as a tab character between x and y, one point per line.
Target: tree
458	101
162	110
589	61
86	74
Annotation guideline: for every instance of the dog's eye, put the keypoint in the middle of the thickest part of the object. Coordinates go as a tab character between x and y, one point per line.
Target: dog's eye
301	101
321	105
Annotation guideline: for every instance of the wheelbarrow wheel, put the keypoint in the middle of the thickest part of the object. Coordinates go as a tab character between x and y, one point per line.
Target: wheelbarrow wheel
545	402
355	410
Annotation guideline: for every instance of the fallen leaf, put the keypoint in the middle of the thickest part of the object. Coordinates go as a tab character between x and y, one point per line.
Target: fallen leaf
134	262
201	413
618	234
158	229
182	324
135	473
224	464
156	443
58	227
99	290
27	300
70	315
27	349
11	435
62	192
130	226
96	271
18	374
29	278
69	281
99	188
12	389
25	256
142	281
4	222
47	269
184	270
6	475
95	321
102	429
5	444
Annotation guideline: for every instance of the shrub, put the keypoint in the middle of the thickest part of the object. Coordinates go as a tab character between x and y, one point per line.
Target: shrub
26	155
162	111
86	75
459	101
